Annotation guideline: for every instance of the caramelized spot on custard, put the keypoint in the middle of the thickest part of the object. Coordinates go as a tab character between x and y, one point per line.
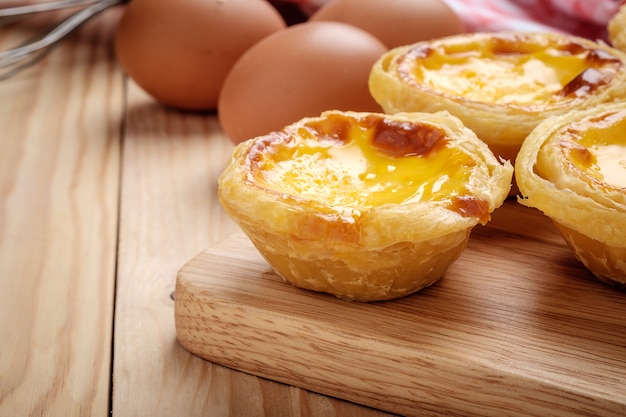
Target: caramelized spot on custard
519	70
595	150
573	48
578	153
600	57
470	206
512	44
404	139
333	127
601	68
354	162
584	83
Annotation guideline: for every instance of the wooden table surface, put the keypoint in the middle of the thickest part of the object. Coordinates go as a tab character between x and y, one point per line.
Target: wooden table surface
104	195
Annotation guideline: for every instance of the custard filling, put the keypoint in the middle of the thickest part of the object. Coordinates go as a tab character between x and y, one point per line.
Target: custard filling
596	148
509	70
363	163
591	151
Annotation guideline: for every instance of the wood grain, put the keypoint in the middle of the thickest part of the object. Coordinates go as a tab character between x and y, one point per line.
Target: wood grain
169	213
59	166
516	327
104	195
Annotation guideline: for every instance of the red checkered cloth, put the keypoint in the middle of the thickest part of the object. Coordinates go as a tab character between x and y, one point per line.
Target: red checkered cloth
587	18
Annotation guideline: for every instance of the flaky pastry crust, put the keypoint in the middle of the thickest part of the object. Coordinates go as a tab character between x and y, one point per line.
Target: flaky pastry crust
363	206
573	168
501	85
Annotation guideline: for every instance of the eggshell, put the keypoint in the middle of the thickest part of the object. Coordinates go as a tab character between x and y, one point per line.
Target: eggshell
181	51
394	22
298	72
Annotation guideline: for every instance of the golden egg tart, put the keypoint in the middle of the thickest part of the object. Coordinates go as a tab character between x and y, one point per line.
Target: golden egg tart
616	29
364	206
573	168
501	85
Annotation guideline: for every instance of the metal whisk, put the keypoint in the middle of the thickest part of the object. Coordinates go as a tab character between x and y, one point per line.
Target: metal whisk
31	51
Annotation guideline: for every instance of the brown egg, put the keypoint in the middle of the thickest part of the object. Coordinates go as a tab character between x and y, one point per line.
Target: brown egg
394	22
298	72
181	51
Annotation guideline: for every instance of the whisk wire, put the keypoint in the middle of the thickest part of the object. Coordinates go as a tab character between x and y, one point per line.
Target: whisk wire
21	11
93	8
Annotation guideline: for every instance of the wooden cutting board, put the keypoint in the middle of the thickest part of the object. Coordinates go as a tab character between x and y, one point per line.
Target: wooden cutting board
515	327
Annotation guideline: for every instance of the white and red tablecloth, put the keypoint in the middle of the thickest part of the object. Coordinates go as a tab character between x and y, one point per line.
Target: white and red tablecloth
587	18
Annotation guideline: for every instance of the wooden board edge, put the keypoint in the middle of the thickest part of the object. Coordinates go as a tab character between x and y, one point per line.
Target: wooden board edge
213	323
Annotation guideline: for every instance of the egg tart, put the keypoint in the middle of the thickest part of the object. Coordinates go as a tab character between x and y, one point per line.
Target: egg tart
573	168
501	85
616	29
364	206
